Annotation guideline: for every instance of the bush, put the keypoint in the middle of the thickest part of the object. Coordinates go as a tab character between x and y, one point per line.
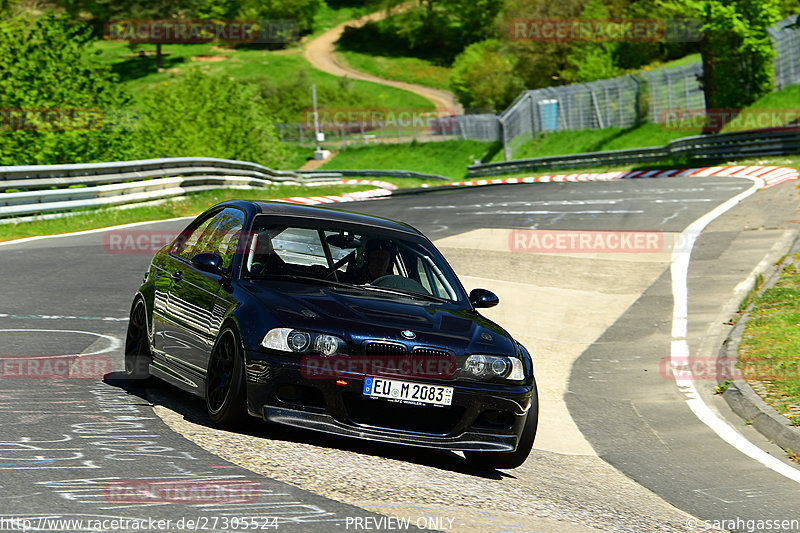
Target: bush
51	80
484	77
198	115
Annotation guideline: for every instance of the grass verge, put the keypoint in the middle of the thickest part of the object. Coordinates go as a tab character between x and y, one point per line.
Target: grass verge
407	69
446	158
582	141
769	353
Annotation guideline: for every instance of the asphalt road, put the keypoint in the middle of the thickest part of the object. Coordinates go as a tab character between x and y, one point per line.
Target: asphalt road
66	442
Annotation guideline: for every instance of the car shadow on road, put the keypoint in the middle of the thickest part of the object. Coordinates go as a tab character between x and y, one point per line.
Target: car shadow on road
193	410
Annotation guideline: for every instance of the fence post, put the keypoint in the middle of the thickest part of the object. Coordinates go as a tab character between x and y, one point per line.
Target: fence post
686	86
669	91
506	143
637	100
300	127
341	136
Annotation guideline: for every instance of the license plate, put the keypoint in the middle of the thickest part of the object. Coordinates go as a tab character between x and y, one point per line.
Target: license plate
407	392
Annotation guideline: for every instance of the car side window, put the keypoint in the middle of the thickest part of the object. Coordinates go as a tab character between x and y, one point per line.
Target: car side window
219	235
185	244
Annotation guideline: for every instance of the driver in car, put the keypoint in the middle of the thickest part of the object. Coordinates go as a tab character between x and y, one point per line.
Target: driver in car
378	258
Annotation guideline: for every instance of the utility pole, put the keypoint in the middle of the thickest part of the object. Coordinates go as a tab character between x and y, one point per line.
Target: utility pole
319	153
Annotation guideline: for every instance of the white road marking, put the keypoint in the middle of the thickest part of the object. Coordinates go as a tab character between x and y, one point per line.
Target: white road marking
113	342
62	317
679	352
91	231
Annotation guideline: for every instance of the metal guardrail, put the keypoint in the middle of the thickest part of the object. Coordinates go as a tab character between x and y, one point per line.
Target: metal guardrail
700	147
46	176
372	173
105	184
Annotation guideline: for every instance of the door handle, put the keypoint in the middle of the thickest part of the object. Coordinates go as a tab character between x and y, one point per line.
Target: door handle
177	276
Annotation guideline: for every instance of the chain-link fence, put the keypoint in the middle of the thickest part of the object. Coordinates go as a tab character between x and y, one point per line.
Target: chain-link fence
786	39
649	96
617	102
485	127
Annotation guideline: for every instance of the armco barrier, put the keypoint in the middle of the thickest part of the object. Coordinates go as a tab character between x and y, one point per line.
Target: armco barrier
103	184
721	146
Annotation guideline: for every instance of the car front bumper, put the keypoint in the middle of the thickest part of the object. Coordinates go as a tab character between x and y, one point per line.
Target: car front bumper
482	416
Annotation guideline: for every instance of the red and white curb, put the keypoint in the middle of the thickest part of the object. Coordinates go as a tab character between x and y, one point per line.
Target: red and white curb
385	189
771	175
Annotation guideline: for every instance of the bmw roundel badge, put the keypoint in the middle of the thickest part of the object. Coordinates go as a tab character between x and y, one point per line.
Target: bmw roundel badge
408	334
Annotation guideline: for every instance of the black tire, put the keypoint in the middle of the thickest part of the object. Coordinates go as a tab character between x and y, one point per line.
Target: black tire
226	395
507	460
137	344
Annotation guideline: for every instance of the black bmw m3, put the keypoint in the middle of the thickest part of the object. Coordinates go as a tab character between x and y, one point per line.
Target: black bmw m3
332	321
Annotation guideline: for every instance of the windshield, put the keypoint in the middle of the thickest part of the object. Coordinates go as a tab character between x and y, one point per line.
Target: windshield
365	258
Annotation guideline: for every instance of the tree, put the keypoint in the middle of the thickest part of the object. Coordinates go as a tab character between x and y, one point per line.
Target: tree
737	51
590	61
104	11
539	63
55	96
484	77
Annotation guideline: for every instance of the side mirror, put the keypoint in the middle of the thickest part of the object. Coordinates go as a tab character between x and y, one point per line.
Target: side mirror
206	262
483	298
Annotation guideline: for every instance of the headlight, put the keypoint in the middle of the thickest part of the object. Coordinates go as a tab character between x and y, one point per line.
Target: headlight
293	340
494	366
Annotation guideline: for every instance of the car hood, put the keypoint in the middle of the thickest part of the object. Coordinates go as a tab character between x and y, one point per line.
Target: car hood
357	315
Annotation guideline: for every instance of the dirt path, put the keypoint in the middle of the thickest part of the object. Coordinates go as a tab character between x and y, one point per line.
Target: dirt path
321	54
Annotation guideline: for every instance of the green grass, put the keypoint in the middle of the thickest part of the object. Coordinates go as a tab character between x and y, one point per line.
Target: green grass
446	158
297	155
777	108
770	349
328	18
139	74
407	69
577	142
680	62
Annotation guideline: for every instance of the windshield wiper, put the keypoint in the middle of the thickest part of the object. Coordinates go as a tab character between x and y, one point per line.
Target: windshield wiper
400	292
295	277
